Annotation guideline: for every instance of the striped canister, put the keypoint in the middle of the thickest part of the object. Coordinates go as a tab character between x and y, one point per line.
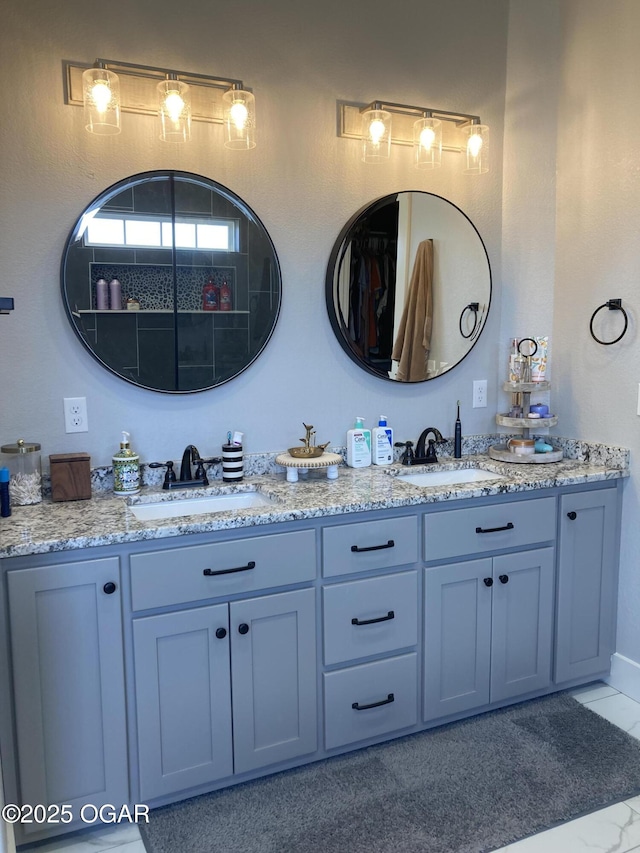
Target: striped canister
232	467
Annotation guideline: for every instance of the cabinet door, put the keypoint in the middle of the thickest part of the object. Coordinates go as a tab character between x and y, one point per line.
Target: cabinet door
457	637
587	579
273	667
183	699
66	645
522	623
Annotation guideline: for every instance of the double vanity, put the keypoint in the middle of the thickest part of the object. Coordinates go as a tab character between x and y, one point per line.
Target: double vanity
149	656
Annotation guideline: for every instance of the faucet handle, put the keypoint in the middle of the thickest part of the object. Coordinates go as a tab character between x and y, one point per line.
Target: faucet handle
170	475
408	456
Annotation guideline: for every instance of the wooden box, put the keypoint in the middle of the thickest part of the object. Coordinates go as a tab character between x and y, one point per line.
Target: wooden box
70	476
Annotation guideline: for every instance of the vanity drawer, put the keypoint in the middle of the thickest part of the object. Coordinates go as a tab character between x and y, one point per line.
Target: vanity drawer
457	532
390	686
370	617
366	545
176	575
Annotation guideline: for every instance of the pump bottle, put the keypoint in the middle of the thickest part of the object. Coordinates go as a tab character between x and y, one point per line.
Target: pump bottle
359	445
382	443
126	469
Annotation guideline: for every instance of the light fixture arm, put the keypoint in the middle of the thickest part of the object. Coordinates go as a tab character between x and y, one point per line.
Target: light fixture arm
459	119
150	71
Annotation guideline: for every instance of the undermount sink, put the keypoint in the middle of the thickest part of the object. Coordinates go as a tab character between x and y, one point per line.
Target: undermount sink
199	506
449	478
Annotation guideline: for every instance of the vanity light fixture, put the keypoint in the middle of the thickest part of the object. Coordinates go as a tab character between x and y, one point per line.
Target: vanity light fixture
239	117
109	87
174	109
101	97
428	130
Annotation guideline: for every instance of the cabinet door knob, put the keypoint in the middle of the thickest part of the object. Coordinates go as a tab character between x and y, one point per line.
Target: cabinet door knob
572	515
109	587
488	581
221	633
243	628
504	578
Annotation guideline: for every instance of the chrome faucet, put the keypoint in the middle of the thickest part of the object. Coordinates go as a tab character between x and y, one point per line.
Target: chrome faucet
425	456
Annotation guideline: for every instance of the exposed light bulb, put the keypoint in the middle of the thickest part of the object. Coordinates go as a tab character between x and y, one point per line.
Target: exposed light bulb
474	144
101	96
174	104
427	137
239	114
376	131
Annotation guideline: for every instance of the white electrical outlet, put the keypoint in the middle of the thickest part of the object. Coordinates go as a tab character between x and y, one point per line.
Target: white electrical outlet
75	414
479	393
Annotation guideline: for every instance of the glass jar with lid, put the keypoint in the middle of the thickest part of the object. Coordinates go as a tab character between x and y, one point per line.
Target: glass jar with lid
25	469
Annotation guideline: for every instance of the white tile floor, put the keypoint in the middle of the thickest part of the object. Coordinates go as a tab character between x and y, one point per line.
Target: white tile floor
612	830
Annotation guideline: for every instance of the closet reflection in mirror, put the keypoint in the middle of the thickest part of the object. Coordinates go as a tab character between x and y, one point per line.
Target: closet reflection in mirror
197	290
408	287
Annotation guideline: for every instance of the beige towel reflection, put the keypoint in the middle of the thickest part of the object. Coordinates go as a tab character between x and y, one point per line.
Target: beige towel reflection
413	341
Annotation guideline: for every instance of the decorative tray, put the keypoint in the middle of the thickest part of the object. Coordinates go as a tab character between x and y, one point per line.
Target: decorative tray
502	453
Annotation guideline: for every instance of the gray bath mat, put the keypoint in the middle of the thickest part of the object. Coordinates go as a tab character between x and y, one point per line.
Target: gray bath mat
467	787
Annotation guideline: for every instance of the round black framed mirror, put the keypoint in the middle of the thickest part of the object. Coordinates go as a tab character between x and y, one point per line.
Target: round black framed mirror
408	287
171	282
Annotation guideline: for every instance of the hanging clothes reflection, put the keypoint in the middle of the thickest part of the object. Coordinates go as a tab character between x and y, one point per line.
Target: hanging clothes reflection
371	297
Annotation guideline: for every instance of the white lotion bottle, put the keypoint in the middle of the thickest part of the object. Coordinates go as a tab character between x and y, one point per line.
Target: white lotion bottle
359	445
382	447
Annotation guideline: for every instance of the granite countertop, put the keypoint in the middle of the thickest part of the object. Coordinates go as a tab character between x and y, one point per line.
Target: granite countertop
107	519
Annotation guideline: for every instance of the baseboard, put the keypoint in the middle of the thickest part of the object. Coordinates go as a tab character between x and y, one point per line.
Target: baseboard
625	676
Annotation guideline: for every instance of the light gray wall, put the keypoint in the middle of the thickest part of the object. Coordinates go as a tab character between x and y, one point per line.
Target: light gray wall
571	200
302	181
598	254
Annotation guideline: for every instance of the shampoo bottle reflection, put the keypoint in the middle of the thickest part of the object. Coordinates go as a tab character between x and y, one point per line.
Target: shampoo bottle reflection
359	445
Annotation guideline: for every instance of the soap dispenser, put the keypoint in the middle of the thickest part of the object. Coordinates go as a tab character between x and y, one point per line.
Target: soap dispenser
359	445
126	469
382	443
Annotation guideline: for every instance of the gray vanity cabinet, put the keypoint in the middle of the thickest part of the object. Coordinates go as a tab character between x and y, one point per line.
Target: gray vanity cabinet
488	631
488	620
188	664
587	583
68	676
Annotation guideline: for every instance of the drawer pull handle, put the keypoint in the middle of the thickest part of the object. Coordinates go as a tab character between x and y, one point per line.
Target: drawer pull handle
243	628
356	621
109	588
504	578
508	526
221	633
210	572
358	707
358	550
572	515
488	581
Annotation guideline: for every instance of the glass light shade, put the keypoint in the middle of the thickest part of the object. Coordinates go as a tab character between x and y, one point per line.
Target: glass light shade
477	149
427	143
376	136
239	119
174	110
101	96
